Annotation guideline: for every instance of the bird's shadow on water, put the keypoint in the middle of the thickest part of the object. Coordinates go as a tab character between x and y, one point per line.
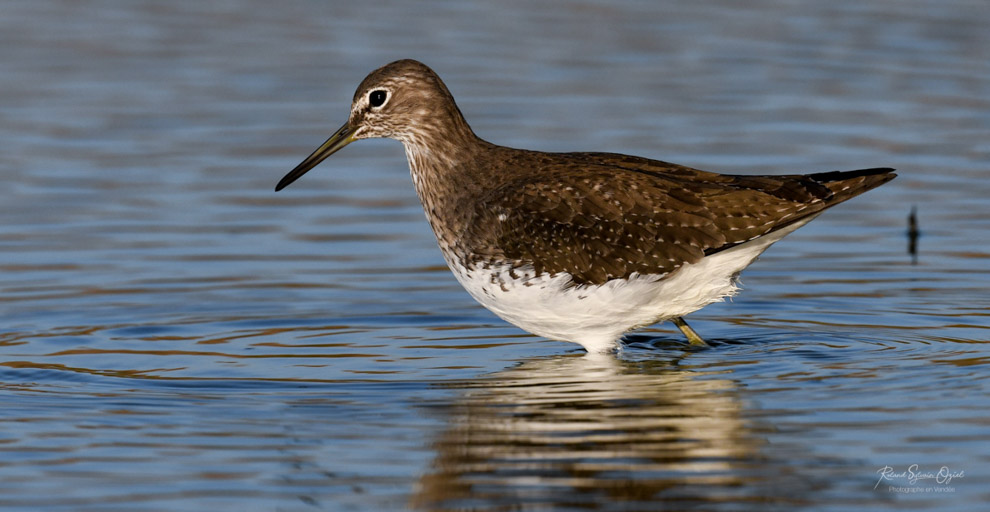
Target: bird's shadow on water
654	343
782	346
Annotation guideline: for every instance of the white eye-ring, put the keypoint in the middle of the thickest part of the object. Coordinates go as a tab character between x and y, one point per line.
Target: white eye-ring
377	98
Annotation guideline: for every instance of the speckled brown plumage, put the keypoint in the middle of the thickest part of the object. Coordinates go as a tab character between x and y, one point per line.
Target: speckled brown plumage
604	216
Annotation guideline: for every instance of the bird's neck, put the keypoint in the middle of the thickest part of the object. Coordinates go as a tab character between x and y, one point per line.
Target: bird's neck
444	165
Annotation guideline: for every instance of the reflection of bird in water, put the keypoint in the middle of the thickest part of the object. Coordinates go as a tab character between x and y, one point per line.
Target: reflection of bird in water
582	431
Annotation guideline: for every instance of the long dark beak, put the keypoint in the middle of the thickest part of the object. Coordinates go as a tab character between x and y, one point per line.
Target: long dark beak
339	139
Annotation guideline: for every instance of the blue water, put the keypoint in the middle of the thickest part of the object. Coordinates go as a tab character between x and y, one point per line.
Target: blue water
177	336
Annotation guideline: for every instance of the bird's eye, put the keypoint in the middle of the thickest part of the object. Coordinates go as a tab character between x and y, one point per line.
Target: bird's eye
377	97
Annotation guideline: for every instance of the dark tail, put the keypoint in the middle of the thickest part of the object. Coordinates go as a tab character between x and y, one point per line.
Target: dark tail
848	184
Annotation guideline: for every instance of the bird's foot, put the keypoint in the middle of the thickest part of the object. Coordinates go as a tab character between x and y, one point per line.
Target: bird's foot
692	336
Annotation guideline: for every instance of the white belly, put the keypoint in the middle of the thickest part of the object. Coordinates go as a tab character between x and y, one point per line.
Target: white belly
597	316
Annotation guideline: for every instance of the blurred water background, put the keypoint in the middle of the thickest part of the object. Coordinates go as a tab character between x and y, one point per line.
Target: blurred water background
177	336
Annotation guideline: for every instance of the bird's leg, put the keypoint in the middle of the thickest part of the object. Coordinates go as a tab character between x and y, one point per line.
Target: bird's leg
692	336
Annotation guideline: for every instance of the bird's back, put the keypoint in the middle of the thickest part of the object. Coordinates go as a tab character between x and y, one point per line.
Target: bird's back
603	216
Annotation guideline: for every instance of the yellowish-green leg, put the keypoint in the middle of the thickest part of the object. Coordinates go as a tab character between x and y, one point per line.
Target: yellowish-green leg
692	336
